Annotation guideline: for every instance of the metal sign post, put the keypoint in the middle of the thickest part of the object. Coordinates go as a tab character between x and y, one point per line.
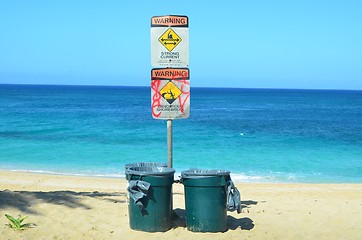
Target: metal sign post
169	143
170	86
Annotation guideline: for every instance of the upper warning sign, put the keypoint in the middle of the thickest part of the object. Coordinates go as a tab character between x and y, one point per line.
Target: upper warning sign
170	41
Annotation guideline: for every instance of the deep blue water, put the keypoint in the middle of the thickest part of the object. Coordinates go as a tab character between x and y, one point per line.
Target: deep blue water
257	134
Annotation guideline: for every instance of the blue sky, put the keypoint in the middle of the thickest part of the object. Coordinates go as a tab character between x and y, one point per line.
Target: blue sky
314	44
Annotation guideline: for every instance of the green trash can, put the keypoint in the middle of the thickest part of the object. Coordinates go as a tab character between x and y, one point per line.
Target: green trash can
150	190
206	199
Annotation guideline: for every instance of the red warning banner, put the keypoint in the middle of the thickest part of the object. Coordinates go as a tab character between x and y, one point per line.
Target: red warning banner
170	74
170	21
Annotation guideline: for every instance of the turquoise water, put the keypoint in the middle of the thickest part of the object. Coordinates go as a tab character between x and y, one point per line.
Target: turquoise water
259	135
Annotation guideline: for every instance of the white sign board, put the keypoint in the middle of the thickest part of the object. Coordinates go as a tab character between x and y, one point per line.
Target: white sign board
170	41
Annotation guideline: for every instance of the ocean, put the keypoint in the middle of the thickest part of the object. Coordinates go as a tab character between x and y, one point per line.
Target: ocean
260	135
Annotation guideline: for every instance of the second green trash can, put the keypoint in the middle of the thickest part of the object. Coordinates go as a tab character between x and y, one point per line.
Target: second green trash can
206	196
150	189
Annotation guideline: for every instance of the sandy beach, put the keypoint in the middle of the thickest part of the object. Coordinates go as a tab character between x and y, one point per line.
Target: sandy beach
68	207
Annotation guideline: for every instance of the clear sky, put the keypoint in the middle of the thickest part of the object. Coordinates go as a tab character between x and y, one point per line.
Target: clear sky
313	44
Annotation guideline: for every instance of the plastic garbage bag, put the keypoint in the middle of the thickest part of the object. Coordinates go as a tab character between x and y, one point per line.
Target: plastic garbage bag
138	190
144	164
200	173
233	201
150	171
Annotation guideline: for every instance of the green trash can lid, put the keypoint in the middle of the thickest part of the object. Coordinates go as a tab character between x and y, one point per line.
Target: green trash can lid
153	171
195	173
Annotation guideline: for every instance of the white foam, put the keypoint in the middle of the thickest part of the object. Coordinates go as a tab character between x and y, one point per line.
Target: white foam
65	173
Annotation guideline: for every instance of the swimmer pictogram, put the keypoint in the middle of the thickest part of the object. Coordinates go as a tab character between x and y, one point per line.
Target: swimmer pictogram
169	39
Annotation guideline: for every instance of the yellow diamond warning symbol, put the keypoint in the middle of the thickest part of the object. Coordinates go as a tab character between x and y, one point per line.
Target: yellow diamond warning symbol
170	92
169	39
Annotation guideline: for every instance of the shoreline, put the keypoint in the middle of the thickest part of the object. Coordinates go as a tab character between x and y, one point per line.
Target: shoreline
237	178
98	207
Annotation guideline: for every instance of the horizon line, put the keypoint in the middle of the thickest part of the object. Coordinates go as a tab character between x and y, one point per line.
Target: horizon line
99	85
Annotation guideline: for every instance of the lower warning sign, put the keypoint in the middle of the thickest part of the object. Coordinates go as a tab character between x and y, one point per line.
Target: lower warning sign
170	93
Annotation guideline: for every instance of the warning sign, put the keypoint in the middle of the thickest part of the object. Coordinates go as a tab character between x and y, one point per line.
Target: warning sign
170	41
170	93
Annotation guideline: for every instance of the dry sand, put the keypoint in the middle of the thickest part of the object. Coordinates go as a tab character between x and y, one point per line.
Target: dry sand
67	207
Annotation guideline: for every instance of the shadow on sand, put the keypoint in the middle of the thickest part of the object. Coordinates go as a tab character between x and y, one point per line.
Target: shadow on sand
23	200
179	219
